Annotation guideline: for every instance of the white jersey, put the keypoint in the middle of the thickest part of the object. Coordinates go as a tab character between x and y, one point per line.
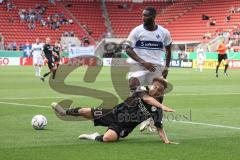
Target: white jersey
149	45
201	55
37	49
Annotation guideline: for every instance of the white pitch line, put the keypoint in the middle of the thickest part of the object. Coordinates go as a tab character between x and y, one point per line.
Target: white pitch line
207	124
200	94
28	105
31	98
186	122
169	94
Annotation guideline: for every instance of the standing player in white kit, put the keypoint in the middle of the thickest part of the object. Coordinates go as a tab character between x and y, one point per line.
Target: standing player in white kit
147	45
201	58
37	57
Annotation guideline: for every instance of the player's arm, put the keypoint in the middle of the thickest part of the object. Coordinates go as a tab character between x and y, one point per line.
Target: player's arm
168	42
168	54
31	51
149	66
152	101
43	56
163	136
132	39
55	54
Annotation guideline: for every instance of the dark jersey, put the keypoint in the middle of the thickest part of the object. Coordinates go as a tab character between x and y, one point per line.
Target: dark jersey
124	117
57	49
47	49
134	110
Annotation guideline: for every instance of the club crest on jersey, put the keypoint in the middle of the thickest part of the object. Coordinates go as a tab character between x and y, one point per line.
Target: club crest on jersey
153	109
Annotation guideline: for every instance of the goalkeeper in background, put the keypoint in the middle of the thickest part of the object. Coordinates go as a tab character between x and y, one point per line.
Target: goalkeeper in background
222	55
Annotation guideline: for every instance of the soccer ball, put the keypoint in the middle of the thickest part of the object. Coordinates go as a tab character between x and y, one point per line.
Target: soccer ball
39	122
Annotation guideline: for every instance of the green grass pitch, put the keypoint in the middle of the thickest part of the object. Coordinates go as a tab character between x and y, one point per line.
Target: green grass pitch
211	100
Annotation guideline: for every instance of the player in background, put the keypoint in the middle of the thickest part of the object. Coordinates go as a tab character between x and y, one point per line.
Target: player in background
147	45
57	54
222	55
49	58
201	57
124	117
37	57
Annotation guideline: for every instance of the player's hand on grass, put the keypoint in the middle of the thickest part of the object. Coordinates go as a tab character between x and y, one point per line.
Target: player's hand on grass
167	109
169	142
149	66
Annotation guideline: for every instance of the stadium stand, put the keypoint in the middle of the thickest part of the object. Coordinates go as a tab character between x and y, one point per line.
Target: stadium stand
126	15
183	18
89	15
191	26
19	32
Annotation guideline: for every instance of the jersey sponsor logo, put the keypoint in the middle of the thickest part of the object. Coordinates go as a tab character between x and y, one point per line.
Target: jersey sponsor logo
153	109
37	49
143	108
151	45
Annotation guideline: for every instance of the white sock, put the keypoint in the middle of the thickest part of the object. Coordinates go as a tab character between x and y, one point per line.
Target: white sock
39	71
201	69
36	70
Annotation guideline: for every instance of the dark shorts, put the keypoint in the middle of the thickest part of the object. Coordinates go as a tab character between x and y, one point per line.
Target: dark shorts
221	57
106	117
56	60
51	64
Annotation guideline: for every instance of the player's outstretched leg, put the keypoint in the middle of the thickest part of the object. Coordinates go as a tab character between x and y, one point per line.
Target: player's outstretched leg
36	69
59	109
109	136
217	69
39	70
85	112
45	75
225	69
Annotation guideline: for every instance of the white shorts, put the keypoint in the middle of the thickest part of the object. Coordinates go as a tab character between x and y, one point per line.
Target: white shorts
200	62
144	76
37	60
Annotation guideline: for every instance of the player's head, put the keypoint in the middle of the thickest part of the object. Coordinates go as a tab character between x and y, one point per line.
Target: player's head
223	41
157	88
37	40
48	40
149	15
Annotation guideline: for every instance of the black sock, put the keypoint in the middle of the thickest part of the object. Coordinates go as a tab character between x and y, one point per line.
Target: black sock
46	74
217	69
73	111
54	73
99	138
226	67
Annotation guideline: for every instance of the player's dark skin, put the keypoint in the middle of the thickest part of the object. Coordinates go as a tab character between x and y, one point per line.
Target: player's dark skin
149	24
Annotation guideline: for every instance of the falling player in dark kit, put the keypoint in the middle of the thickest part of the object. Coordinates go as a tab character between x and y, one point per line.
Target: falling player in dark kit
124	117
